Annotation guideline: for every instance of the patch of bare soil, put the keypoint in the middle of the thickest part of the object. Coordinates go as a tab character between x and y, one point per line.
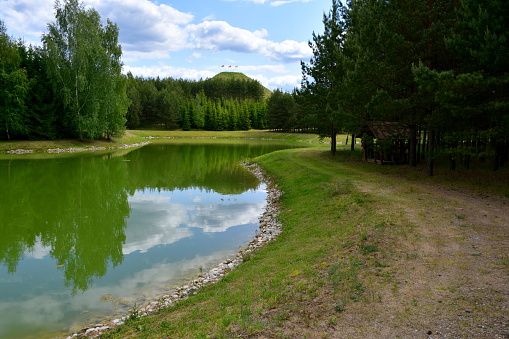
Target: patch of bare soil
450	270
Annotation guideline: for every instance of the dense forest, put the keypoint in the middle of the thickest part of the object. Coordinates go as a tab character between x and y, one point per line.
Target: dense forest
435	69
228	101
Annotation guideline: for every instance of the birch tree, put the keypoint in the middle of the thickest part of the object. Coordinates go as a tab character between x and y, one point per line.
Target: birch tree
84	65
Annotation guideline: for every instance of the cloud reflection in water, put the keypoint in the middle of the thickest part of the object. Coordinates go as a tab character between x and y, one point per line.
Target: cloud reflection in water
165	217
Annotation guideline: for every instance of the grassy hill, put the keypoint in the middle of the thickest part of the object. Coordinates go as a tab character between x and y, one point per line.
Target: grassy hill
239	76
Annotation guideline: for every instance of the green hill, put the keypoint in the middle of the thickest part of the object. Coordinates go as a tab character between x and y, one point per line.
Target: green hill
231	75
239	76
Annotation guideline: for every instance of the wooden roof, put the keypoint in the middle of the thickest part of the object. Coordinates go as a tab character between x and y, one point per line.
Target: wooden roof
389	130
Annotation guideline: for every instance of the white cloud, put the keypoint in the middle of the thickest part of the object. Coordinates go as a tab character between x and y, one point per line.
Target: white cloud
260	33
151	31
164	71
132	56
254	1
139	11
209	17
38	251
27	16
220	217
285	2
264	68
289	50
145	26
279	3
272	3
286	82
219	35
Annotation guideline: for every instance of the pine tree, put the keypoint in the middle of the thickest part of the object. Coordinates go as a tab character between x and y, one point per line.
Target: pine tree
323	76
14	87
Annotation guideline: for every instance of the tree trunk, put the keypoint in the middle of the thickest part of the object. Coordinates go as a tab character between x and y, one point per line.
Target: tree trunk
424	144
333	140
452	166
412	154
7	131
418	142
352	145
430	153
498	156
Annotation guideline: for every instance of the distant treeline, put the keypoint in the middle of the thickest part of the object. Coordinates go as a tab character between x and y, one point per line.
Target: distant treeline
214	104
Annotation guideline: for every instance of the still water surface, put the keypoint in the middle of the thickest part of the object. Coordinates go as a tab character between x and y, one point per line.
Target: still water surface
83	237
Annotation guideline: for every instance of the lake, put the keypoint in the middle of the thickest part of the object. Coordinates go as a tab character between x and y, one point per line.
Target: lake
84	237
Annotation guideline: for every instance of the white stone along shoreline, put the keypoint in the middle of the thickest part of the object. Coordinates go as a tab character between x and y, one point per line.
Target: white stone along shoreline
79	149
269	228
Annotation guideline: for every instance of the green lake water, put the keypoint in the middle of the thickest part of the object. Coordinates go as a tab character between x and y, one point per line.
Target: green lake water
83	237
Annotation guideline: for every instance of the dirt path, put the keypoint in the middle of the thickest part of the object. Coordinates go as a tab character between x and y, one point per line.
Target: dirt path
451	268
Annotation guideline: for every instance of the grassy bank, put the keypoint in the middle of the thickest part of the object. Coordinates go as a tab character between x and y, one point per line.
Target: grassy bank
338	252
319	265
252	134
130	137
137	136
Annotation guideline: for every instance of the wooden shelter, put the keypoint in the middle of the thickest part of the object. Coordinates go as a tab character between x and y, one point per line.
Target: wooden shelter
386	142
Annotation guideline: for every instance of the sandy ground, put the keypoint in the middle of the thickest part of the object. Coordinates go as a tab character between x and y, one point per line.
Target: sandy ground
451	269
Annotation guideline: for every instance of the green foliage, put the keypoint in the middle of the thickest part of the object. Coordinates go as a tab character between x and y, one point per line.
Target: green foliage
83	58
438	68
324	87
14	86
280	111
217	104
42	108
472	100
233	85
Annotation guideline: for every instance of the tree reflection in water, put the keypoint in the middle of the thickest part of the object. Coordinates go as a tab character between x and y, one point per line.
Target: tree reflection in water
76	210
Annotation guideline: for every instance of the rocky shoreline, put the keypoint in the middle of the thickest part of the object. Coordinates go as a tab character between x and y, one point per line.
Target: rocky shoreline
78	149
269	229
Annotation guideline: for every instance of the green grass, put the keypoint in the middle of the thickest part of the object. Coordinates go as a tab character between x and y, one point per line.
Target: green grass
307	264
251	134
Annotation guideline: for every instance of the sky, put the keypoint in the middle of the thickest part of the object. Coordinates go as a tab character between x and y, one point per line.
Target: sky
195	39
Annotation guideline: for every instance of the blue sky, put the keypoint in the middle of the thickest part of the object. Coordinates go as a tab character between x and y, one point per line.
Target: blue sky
192	39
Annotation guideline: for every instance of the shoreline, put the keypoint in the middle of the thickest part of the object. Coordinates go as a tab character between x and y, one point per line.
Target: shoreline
269	229
78	149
